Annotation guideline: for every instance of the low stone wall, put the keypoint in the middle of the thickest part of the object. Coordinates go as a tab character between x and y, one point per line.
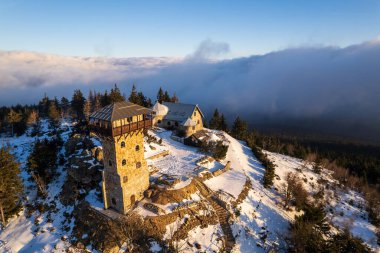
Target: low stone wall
221	171
162	154
165	196
243	194
156	225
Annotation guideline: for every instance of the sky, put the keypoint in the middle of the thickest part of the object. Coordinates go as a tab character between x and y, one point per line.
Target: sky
175	28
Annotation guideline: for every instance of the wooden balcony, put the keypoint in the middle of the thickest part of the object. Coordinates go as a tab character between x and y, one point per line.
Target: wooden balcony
144	124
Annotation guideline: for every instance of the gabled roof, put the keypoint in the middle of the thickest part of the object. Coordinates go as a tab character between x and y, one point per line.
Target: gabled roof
119	110
189	123
180	112
160	109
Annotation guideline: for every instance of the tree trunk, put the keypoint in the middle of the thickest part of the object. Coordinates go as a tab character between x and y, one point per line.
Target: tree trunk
2	214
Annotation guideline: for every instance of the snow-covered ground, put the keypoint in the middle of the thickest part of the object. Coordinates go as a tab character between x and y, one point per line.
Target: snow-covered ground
41	232
260	225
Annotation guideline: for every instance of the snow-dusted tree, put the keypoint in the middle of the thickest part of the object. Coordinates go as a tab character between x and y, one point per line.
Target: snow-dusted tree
10	184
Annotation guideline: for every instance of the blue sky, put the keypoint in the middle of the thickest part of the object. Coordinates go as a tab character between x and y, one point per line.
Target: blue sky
175	28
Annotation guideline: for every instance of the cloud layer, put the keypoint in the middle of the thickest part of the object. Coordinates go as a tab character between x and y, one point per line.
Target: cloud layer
302	86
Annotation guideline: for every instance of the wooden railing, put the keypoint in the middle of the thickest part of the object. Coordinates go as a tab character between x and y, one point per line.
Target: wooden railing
122	129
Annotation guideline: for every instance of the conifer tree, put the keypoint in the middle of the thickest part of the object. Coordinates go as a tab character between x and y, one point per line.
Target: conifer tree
239	129
160	95
77	104
65	106
32	118
105	99
97	103
87	109
215	121
10	185
53	114
12	118
115	95
174	98
42	162
223	124
134	97
166	97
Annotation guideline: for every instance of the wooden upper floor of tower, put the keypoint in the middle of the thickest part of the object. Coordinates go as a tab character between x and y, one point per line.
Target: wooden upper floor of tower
120	118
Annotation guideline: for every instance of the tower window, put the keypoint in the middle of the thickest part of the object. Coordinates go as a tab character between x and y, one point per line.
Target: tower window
124	162
195	113
122	144
113	201
138	165
109	162
125	179
168	123
137	148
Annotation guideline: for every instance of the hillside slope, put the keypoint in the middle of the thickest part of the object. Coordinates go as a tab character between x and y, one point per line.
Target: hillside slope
259	225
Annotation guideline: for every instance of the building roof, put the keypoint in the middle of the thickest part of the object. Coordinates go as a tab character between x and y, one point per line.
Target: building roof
180	112
119	110
189	123
160	109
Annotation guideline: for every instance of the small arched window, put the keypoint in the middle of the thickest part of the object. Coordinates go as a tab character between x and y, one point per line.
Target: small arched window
122	144
125	179
124	162
168	123
109	162
195	113
137	148
113	201
159	121
138	165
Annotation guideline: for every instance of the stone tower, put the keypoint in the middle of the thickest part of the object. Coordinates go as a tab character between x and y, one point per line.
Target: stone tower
125	176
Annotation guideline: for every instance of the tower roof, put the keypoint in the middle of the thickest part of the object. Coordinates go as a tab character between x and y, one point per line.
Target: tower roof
119	110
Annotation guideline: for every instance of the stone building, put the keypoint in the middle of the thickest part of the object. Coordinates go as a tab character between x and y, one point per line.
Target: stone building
125	176
186	118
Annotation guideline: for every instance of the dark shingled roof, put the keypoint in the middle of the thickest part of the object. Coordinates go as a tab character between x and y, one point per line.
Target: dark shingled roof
119	110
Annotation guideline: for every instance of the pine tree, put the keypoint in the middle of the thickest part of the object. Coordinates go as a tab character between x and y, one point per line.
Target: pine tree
77	104
43	105
160	95
87	109
239	129
115	95
32	118
223	124
166	97
215	121
53	114
42	162
97	103
10	185
134	97
65	106
105	99
174	98
12	118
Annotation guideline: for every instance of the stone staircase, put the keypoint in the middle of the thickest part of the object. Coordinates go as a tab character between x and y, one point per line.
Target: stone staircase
221	212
